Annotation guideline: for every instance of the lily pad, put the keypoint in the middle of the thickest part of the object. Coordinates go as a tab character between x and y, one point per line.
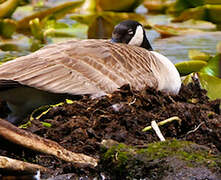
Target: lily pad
211	84
212	1
195	24
88	7
116	5
79	31
198	55
55	12
7	28
214	13
188	67
157	5
192	13
84	18
167	31
101	24
8	7
207	12
212	68
181	5
65	27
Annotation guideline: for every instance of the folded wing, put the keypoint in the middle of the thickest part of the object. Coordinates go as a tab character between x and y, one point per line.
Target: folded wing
81	67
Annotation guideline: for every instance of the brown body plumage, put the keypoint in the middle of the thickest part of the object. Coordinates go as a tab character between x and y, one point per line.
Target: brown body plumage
83	67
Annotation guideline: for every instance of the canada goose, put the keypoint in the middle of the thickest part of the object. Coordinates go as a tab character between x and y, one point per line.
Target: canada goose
78	67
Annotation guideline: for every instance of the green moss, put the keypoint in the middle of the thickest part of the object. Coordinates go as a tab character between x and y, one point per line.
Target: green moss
118	155
123	160
184	150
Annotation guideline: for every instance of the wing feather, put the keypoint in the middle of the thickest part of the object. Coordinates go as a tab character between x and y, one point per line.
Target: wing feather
83	67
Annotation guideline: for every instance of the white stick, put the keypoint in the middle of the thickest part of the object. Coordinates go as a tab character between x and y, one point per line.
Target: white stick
157	130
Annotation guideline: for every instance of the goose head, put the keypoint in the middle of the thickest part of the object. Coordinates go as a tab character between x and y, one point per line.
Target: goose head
132	33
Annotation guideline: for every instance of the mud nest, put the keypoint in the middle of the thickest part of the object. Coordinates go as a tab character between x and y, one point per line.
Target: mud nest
121	116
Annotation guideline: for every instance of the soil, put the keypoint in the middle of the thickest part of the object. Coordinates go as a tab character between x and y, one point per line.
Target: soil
121	116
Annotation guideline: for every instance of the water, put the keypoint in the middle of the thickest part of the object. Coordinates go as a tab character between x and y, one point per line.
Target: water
176	48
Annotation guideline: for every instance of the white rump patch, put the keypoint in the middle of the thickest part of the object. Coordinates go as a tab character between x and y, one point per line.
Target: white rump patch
37	176
138	37
171	81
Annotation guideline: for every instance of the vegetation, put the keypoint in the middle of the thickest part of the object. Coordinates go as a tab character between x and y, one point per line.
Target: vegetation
27	26
121	160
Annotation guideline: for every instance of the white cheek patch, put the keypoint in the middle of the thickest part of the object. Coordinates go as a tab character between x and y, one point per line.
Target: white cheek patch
137	39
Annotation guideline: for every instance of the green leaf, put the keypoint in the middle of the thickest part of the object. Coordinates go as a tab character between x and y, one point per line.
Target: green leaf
214	13
188	67
211	84
55	12
104	22
88	7
157	5
68	101
116	5
39	112
46	124
7	27
36	29
167	31
192	13
101	24
212	68
181	5
198	55
76	30
8	7
207	12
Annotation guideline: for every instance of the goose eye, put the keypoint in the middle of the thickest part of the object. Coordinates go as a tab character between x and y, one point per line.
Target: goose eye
130	31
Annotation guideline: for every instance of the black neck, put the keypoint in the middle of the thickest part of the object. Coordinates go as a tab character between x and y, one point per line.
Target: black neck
146	44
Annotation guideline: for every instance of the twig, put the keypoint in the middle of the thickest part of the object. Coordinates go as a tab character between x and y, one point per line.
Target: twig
132	102
175	118
37	143
157	130
16	165
195	128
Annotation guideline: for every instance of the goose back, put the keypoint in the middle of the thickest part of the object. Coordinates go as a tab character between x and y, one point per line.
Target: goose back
84	67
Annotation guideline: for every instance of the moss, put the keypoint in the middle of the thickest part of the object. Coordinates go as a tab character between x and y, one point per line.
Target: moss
188	151
119	155
128	162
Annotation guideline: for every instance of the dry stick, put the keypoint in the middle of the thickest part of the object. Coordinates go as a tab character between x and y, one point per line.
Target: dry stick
37	143
16	165
195	128
175	118
157	130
